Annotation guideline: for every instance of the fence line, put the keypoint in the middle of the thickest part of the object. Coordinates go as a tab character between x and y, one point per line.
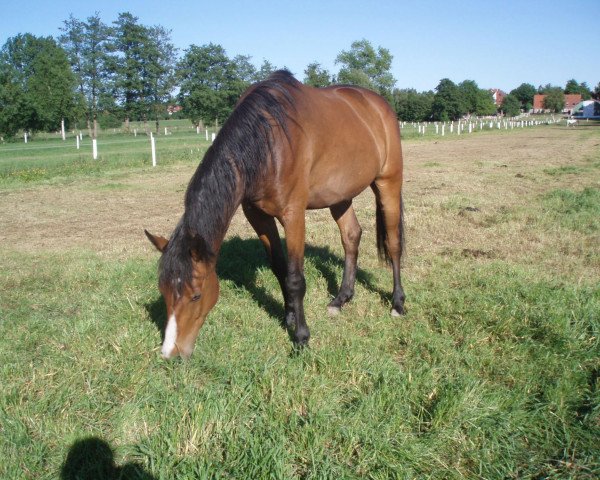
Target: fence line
474	124
417	129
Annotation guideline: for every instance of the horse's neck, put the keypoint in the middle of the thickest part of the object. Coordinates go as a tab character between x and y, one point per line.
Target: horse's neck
212	199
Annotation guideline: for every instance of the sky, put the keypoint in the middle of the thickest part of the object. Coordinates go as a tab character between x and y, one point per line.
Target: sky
499	44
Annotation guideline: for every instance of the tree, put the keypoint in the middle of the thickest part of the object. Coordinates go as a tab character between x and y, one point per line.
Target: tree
72	41
476	101
129	41
207	83
511	105
524	93
36	85
88	47
315	76
578	88
597	92
364	66
159	69
14	106
245	72
412	106
448	103
554	100
485	103
266	69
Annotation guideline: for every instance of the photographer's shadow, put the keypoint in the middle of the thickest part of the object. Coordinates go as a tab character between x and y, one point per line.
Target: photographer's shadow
93	458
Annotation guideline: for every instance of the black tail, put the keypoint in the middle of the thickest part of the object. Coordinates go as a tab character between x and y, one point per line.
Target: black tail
382	251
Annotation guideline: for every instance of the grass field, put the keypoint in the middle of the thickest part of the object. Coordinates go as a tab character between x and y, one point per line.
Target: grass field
492	374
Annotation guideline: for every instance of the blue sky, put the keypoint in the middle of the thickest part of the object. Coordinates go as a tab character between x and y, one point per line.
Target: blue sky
496	43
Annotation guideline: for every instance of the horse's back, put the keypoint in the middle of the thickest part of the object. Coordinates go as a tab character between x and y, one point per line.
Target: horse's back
348	137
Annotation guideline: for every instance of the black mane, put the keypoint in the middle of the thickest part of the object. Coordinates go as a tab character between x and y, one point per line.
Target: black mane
228	173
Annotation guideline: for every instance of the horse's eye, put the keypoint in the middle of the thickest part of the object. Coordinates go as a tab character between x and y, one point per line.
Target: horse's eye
196	297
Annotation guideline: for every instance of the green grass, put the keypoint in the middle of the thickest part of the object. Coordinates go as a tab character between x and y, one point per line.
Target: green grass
53	159
47	158
574	210
492	374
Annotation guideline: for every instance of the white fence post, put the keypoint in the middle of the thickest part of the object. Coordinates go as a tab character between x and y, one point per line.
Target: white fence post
62	129
77	142
25	136
153	149
94	149
213	136
206	130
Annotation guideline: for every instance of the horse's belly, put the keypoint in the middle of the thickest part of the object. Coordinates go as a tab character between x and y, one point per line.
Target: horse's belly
331	192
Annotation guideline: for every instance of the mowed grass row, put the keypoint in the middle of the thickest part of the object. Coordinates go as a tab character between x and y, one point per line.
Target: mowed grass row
47	156
493	373
54	159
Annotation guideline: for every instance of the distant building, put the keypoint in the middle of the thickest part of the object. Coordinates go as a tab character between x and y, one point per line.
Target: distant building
571	100
498	96
588	109
171	109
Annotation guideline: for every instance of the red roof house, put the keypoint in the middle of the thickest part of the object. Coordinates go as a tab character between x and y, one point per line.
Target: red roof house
498	96
571	99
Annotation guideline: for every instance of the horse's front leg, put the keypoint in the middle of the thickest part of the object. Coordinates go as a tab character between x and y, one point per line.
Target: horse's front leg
265	228
295	284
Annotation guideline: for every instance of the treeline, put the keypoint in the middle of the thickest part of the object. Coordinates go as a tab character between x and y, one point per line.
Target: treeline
451	101
96	74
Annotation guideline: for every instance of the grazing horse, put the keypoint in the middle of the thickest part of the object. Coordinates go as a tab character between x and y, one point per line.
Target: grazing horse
285	148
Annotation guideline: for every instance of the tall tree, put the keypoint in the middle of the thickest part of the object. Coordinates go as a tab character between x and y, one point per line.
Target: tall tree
315	76
555	99
36	83
524	93
511	105
15	108
266	69
206	83
245	72
368	67
581	88
448	103
412	106
129	42
89	49
159	70
477	101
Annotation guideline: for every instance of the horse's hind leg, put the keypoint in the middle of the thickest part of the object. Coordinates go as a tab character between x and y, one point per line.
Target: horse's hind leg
388	195
351	232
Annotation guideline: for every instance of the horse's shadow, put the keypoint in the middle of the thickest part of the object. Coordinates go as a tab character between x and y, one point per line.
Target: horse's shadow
241	259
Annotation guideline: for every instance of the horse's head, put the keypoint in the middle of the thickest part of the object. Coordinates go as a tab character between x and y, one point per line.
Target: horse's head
188	302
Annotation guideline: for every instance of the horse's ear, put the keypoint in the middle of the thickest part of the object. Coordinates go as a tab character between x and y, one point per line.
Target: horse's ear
159	242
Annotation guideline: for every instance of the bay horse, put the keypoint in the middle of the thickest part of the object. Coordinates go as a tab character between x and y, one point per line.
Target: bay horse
285	148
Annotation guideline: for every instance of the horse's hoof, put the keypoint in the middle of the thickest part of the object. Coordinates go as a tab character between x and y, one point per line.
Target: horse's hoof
396	313
333	311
